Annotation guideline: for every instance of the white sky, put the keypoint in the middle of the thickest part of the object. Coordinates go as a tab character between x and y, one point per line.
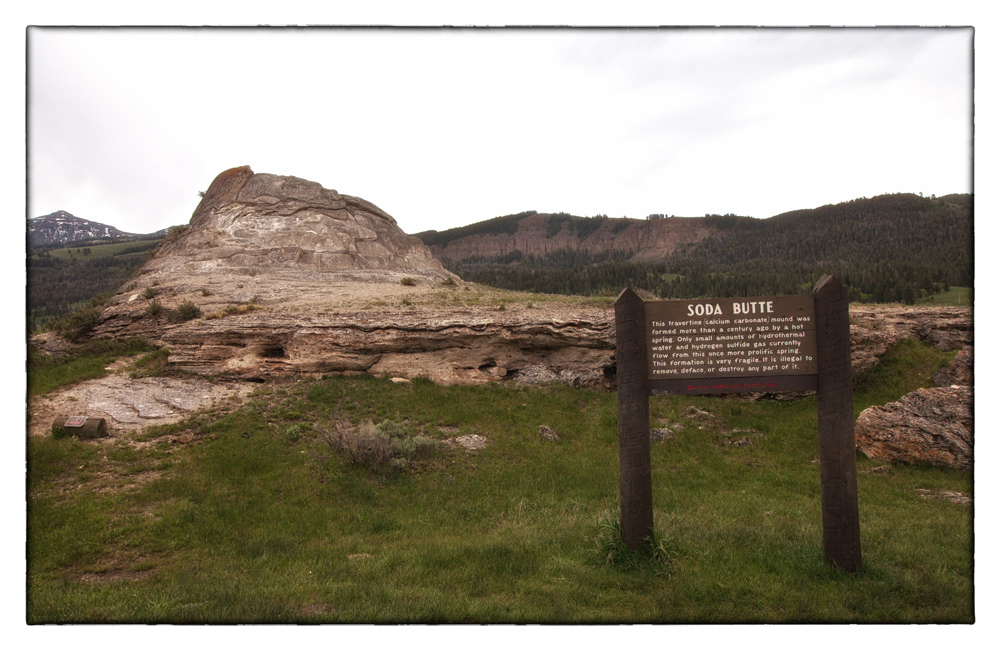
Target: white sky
442	128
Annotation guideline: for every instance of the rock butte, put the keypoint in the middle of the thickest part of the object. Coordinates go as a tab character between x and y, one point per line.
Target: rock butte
307	256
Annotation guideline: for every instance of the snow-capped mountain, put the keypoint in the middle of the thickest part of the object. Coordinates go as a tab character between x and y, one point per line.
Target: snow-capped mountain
63	228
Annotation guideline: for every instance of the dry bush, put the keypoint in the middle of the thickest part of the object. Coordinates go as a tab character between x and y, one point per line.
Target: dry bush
386	446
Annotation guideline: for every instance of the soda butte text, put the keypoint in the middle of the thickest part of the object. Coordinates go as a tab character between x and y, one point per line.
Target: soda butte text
761	307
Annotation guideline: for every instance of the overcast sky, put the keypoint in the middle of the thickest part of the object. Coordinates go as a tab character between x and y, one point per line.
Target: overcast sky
446	127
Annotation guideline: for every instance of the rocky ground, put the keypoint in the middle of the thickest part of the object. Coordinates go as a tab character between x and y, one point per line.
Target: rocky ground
451	334
454	333
129	405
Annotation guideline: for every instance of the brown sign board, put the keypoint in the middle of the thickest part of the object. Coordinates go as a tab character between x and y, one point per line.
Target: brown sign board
740	345
731	345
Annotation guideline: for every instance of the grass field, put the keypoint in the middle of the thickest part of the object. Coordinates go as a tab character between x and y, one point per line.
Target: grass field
259	519
954	296
102	250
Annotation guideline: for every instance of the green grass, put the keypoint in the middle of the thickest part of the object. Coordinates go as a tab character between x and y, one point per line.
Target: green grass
955	296
905	368
88	361
251	524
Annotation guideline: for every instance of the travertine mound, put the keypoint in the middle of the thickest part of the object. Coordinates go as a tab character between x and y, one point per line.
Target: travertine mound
286	226
276	242
930	425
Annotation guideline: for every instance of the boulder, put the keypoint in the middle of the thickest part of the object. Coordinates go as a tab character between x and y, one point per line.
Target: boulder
928	426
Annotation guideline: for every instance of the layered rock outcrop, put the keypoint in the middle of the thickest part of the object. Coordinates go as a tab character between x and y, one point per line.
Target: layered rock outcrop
448	347
928	426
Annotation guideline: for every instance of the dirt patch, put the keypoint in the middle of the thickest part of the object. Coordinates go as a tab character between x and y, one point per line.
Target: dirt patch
115	575
317	609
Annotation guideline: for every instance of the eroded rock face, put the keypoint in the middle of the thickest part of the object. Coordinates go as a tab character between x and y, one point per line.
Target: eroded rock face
448	347
928	426
268	223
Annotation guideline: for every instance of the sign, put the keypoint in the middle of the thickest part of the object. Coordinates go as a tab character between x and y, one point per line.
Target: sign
731	345
76	421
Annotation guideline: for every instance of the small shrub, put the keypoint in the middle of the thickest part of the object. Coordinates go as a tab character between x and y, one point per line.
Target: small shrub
154	308
449	282
392	429
206	292
150	293
232	310
408	282
383	447
294	433
175	231
185	312
77	324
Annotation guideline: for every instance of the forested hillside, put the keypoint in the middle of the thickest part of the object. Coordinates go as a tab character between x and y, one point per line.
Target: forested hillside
63	279
890	248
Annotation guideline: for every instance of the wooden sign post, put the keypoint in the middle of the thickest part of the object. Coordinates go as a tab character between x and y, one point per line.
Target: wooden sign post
634	473
738	345
838	474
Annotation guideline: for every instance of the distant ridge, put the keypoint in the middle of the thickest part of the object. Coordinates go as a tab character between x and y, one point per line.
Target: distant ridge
888	248
61	228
